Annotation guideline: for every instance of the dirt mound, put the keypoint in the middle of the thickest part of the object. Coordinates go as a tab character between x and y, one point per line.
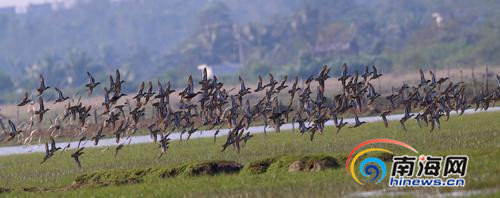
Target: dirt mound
5	190
321	164
312	163
112	177
172	172
307	163
213	168
135	176
259	166
386	157
296	166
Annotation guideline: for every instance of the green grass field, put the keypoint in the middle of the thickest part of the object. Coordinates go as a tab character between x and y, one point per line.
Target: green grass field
136	171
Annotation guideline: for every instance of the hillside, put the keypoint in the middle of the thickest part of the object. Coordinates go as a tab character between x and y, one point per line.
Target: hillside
293	37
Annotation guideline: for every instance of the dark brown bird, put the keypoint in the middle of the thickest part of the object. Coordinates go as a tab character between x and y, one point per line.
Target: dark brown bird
340	124
153	131
384	118
150	93
41	110
433	78
13	131
164	144
375	74
66	147
42	86
272	82
48	154
61	97
282	85
358	123
188	92
259	85
372	94
118	148
344	75
243	89
407	115
117	85
98	135
498	81
76	156
49	151
25	100
92	83
81	140
140	92
418	118
423	81
366	74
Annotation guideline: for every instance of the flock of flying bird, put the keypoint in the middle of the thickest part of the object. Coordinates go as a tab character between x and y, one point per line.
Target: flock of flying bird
213	107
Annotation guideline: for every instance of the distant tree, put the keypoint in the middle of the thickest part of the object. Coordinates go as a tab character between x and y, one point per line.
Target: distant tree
215	40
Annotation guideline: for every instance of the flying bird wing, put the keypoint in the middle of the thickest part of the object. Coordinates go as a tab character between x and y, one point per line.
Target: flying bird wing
42	81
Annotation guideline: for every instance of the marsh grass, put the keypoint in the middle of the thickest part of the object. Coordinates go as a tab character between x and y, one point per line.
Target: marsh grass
473	135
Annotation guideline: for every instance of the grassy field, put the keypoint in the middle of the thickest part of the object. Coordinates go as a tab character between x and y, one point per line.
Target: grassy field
137	171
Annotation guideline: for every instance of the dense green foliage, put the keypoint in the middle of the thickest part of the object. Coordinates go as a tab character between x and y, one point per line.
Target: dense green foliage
137	170
169	39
